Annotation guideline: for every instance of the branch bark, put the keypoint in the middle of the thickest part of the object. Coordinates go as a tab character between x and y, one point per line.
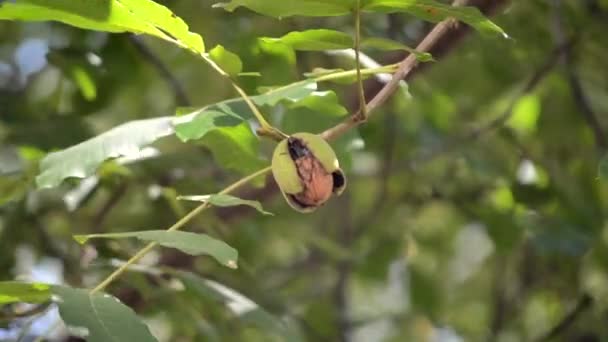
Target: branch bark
405	67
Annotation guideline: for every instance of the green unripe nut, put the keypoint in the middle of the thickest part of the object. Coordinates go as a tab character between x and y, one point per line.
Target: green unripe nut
307	171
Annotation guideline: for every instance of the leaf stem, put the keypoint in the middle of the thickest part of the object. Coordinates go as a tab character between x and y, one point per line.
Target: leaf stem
349	73
177	225
266	128
362	114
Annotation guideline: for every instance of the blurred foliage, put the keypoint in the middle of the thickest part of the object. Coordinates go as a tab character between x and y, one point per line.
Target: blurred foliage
475	210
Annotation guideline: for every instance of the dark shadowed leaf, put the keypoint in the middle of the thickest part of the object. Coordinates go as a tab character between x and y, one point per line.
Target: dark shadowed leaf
190	243
221	200
15	292
137	16
101	317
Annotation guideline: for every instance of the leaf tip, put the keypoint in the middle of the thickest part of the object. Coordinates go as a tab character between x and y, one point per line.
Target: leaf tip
232	264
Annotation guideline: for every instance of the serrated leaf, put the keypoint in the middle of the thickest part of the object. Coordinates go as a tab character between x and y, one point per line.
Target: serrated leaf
103	317
236	140
228	61
221	200
287	8
388	44
137	16
190	243
83	159
434	11
16	292
314	40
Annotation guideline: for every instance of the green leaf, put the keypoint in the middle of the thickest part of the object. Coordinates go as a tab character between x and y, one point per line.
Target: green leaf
16	292
434	11
103	317
246	310
13	187
228	61
287	8
84	81
190	243
314	40
235	148
322	39
293	92
525	114
221	200
325	102
83	159
388	44
232	141
137	16
204	121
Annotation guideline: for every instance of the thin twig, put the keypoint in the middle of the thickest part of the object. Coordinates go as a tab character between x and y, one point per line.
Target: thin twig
181	97
584	303
405	67
109	279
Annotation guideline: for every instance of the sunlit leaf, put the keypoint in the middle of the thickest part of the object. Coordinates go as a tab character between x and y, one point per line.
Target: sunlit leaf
287	8
228	61
314	40
435	11
101	317
221	200
83	159
190	243
137	16
15	292
84	81
525	114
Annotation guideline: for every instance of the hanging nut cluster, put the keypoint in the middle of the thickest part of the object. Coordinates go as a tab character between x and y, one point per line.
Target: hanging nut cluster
307	171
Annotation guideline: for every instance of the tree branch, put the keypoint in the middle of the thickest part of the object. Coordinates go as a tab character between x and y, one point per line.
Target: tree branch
584	303
405	67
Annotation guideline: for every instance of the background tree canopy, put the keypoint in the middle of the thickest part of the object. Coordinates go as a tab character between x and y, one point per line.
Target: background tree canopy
477	198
